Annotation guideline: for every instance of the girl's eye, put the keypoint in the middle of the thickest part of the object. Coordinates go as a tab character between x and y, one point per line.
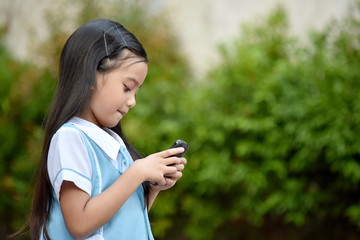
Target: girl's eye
127	89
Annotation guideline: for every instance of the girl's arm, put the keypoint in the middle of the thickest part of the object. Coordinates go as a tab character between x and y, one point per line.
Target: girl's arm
152	196
84	215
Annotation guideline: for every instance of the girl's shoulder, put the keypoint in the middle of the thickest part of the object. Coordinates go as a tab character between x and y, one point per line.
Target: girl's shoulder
70	130
68	159
68	135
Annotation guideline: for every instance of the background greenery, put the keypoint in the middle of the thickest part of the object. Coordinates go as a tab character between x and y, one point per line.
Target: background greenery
273	130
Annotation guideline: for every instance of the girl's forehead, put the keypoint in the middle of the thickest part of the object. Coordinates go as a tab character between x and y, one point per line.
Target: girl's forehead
132	61
125	64
128	55
135	67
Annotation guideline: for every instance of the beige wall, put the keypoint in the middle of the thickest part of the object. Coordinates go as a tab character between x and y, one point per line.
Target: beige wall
199	24
203	24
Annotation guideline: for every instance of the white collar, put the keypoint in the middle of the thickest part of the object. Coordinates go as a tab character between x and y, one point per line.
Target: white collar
105	138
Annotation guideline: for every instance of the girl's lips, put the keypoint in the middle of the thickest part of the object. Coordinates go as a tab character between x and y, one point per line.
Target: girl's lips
122	113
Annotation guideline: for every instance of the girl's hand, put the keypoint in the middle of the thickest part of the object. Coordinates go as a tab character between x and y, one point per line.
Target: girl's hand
161	167
170	179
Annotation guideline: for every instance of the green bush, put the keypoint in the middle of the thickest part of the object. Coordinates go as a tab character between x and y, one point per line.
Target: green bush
273	134
24	90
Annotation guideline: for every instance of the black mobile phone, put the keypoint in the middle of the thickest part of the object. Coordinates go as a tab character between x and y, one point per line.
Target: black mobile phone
180	143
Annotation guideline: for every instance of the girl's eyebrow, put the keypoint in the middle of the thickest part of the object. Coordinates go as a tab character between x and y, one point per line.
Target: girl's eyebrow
134	81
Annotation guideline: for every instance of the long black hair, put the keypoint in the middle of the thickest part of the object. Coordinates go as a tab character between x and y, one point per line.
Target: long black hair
95	46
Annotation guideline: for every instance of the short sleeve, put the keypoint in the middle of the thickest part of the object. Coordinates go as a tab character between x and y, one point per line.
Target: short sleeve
68	160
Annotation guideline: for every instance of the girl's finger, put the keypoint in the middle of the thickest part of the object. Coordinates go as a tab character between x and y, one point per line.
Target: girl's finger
183	160
172	161
170	169
174	176
171	152
179	167
162	182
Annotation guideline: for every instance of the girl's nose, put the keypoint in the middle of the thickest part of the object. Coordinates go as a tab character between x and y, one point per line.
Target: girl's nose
131	102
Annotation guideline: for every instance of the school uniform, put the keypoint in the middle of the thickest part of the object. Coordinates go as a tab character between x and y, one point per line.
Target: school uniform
93	158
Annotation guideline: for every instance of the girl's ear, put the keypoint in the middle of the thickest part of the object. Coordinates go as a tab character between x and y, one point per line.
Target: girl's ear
100	77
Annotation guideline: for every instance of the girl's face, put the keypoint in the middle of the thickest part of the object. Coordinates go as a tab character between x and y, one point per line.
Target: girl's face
115	92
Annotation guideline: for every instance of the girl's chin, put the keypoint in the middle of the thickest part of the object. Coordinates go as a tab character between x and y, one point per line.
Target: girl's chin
111	124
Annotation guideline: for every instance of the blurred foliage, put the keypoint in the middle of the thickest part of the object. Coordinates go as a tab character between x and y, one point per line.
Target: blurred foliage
273	138
24	95
274	135
274	152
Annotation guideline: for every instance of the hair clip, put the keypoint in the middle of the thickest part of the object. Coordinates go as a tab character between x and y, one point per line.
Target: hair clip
106	50
122	39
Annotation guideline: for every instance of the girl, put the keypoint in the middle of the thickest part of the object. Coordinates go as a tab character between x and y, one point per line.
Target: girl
88	185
